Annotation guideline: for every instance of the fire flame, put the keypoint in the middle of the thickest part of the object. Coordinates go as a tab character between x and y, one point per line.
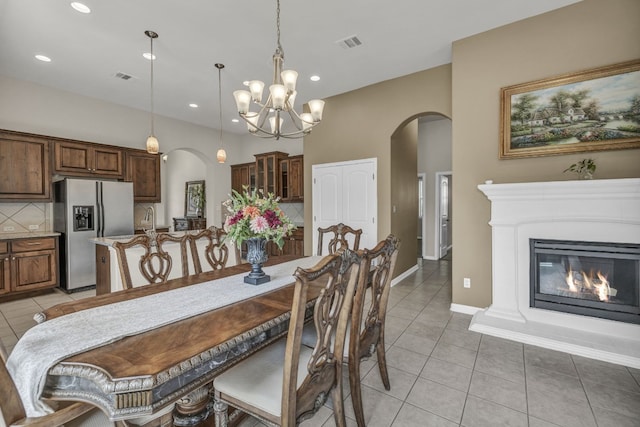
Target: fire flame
587	283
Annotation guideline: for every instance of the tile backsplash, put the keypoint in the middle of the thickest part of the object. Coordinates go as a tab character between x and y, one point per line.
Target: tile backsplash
295	212
25	217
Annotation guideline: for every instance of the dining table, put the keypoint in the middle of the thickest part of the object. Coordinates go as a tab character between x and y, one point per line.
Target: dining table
141	365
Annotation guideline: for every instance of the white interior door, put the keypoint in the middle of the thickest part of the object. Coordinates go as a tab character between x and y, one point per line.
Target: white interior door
346	192
443	214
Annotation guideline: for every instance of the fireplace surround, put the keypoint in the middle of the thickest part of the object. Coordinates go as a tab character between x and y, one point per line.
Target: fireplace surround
593	211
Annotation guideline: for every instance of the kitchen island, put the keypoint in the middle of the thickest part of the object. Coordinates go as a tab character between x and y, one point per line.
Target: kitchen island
108	278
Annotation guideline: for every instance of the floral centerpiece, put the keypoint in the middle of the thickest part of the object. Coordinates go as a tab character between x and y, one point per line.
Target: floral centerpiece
256	218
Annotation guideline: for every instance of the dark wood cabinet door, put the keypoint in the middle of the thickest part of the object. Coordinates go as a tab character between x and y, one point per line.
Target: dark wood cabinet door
144	171
5	267
108	162
34	270
85	159
24	162
296	178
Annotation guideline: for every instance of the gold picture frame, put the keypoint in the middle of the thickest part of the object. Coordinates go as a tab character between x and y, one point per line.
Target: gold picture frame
592	110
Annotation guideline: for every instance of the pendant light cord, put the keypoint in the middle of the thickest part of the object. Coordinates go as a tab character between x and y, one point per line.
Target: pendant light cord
220	66
152	59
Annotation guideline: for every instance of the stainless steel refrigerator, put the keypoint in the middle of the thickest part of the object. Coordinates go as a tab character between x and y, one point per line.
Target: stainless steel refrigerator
86	208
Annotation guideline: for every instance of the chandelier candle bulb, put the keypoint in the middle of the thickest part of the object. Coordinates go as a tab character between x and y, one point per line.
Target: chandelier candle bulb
256	87
243	99
278	96
316	106
289	78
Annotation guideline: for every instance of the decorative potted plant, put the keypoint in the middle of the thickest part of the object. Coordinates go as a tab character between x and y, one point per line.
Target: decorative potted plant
585	168
256	218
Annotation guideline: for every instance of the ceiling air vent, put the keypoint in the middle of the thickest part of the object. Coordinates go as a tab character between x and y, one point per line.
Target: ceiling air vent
349	42
123	76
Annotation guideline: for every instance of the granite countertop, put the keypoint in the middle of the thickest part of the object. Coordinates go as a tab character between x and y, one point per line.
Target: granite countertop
28	235
110	240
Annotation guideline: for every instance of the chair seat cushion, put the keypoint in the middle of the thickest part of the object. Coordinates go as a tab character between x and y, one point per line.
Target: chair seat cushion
258	379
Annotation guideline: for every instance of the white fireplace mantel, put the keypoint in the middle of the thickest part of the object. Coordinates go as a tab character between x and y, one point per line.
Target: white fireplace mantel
606	210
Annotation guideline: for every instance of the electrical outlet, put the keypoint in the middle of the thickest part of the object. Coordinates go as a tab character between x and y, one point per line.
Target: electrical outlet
467	282
9	228
34	227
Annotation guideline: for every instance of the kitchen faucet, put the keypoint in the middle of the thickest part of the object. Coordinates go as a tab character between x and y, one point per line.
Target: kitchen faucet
150	214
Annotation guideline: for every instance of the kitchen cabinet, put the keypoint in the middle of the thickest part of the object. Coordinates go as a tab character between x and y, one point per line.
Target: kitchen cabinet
242	175
143	170
77	158
291	179
268	171
24	162
28	264
293	245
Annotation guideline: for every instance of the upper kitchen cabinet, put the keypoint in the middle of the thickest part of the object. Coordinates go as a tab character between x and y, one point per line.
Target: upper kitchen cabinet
268	171
291	179
243	175
86	159
24	162
143	170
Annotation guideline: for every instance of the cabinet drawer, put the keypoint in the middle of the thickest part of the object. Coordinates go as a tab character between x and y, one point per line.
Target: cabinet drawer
28	245
4	247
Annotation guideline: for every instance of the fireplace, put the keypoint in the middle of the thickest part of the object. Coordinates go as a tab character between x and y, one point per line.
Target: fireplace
587	278
571	238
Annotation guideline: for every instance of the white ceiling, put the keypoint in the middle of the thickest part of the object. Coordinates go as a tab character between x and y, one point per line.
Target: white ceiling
398	37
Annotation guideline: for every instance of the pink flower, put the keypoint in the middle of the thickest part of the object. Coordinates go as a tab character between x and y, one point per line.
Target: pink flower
259	224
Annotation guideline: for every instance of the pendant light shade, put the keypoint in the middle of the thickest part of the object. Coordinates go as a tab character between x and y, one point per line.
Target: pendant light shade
221	155
153	147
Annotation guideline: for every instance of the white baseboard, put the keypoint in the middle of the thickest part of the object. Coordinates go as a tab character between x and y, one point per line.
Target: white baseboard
404	275
464	309
430	258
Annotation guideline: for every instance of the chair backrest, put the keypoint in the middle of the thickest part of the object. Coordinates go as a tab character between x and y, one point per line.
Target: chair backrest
337	276
340	235
208	251
376	273
149	258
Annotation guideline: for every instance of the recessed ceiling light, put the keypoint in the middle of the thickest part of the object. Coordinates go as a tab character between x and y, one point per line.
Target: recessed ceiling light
80	7
147	55
314	78
235	120
43	58
193	105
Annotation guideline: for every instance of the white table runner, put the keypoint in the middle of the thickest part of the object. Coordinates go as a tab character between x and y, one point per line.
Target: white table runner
48	343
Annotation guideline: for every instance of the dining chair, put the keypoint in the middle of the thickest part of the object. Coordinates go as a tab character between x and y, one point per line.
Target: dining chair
208	250
286	382
154	254
368	316
370	300
340	235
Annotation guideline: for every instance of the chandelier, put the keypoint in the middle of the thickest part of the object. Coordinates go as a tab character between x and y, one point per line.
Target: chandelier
279	104
221	155
152	141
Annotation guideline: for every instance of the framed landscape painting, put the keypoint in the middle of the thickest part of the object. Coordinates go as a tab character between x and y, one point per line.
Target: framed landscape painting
591	110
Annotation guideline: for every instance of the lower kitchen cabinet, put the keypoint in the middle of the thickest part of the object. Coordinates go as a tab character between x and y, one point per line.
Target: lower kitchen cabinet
293	245
28	264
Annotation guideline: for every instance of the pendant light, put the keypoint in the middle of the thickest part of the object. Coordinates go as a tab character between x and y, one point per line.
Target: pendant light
221	155
152	141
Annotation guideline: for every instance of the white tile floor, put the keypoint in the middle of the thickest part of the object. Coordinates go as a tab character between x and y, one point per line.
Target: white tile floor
444	375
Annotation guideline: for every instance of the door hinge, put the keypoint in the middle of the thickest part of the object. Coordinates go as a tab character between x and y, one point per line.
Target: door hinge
373	220
373	176
314	217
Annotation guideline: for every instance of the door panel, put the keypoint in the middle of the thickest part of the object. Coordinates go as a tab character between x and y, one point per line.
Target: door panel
345	192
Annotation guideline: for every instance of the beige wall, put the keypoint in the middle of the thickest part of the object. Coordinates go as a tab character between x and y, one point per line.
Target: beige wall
404	188
589	34
359	125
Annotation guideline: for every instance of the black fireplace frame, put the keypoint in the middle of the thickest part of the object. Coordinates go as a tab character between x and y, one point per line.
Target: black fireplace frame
618	312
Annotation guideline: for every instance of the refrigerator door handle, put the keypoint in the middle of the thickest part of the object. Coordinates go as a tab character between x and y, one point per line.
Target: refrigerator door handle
100	213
